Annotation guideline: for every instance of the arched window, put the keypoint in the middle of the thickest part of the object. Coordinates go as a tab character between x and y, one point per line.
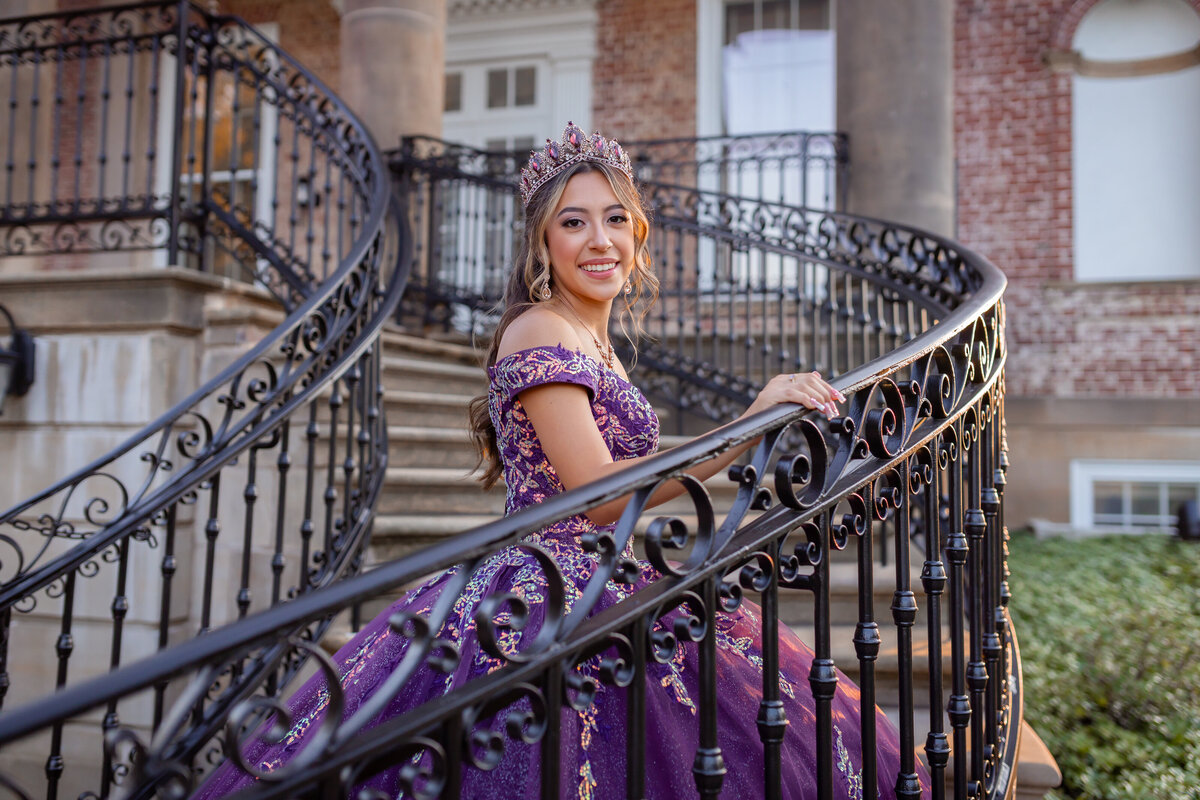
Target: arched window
1136	141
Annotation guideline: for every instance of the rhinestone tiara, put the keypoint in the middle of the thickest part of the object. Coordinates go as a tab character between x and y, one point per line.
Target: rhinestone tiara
575	146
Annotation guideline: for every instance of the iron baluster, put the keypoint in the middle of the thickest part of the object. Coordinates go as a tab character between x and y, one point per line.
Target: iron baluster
311	432
328	226
212	529
168	567
249	499
709	765
904	613
977	677
635	714
933	580
959	709
151	199
331	492
56	134
822	677
283	465
34	103
866	641
772	719
349	464
10	158
990	504
120	608
105	94
5	628
127	140
64	646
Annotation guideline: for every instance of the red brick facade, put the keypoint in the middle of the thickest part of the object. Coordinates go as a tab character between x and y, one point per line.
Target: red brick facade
644	76
308	31
1013	147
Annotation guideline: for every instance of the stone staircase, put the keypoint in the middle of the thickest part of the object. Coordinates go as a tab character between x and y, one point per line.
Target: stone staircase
431	493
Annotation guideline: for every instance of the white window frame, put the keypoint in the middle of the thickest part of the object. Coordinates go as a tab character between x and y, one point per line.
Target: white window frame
558	41
1131	161
268	123
1085	473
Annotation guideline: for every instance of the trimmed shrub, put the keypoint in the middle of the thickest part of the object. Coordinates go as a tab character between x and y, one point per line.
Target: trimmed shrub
1110	646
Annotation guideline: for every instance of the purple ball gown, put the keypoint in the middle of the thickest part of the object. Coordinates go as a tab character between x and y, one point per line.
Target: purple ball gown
593	740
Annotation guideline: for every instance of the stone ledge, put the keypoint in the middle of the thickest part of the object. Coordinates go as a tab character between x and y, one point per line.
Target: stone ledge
171	298
1082	412
1037	771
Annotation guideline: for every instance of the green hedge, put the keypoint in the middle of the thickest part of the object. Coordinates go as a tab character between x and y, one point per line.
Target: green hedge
1110	646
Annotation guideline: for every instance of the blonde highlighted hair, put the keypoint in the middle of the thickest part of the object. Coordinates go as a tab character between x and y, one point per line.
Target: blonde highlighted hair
532	268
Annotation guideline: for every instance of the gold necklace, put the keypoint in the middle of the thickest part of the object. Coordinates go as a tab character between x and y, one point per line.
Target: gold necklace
609	356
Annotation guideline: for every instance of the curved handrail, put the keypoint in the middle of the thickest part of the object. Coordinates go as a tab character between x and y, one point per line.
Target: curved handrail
301	407
925	415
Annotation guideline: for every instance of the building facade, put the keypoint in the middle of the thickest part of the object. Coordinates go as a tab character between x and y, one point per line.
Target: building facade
1054	137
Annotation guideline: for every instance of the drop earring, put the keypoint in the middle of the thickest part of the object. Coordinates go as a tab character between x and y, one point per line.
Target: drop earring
628	286
545	292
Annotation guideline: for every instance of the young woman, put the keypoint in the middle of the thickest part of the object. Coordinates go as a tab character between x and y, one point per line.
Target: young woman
560	412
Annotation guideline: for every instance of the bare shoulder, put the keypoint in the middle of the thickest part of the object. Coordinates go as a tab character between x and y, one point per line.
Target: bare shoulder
537	327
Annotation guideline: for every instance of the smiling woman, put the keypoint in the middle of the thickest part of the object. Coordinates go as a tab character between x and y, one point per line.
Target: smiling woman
561	412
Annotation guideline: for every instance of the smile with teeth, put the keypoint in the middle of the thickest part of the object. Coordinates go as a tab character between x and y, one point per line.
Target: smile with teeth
605	267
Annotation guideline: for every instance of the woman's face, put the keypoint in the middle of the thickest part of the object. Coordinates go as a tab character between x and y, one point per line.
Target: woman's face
591	241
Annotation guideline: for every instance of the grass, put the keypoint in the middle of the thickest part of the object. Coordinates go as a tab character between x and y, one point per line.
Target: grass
1110	646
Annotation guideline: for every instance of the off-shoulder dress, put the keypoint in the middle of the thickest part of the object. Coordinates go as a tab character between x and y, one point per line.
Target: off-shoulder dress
593	740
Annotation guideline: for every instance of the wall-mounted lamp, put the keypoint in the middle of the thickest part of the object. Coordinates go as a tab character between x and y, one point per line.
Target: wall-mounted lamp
16	359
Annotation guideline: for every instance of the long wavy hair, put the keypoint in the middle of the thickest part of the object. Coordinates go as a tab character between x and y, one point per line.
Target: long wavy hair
532	268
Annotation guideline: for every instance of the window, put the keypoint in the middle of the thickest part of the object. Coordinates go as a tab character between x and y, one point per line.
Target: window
453	100
1131	495
511	87
742	16
1135	124
240	128
517	144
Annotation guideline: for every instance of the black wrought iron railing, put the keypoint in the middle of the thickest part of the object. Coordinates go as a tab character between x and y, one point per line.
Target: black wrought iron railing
161	132
921	359
749	287
796	168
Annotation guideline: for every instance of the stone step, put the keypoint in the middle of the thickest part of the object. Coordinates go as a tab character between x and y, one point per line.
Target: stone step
397	535
437	490
396	342
426	409
405	373
417	446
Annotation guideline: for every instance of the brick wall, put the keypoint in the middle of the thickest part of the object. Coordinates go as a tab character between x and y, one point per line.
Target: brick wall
1013	147
308	31
644	77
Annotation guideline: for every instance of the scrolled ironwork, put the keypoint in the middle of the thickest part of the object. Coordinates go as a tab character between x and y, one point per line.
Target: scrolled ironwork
676	609
196	485
910	325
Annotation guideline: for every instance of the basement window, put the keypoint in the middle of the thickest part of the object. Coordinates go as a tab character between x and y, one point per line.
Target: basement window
1131	495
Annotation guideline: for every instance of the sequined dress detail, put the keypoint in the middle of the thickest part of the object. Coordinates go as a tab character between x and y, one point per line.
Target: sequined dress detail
593	752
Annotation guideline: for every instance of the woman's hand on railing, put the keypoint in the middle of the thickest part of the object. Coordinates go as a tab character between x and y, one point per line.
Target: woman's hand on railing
808	389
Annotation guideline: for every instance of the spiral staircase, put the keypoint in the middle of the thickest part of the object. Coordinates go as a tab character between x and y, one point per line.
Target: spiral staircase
247	511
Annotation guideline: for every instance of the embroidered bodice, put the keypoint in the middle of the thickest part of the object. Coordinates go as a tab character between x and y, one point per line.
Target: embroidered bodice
625	418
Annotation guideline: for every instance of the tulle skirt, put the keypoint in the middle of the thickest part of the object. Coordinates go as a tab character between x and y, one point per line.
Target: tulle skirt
594	739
